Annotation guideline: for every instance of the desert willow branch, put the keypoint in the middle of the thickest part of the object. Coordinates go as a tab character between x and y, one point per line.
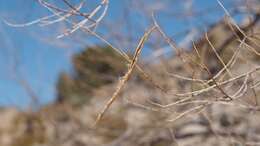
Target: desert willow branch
60	17
186	78
126	77
204	67
83	22
230	63
198	92
218	56
250	48
194	109
49	19
232	20
241	91
29	23
74	11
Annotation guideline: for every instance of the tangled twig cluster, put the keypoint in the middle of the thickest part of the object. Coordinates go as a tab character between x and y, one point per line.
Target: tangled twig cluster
89	20
226	86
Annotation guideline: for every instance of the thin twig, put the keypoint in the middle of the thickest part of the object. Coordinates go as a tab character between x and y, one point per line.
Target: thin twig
126	77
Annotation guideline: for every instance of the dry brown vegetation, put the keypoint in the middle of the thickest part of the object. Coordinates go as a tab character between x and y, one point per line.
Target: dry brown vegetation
205	95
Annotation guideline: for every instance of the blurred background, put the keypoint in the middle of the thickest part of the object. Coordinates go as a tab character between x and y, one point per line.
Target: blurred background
59	64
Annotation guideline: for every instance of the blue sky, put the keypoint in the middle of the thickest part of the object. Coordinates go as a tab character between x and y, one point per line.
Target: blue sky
38	62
